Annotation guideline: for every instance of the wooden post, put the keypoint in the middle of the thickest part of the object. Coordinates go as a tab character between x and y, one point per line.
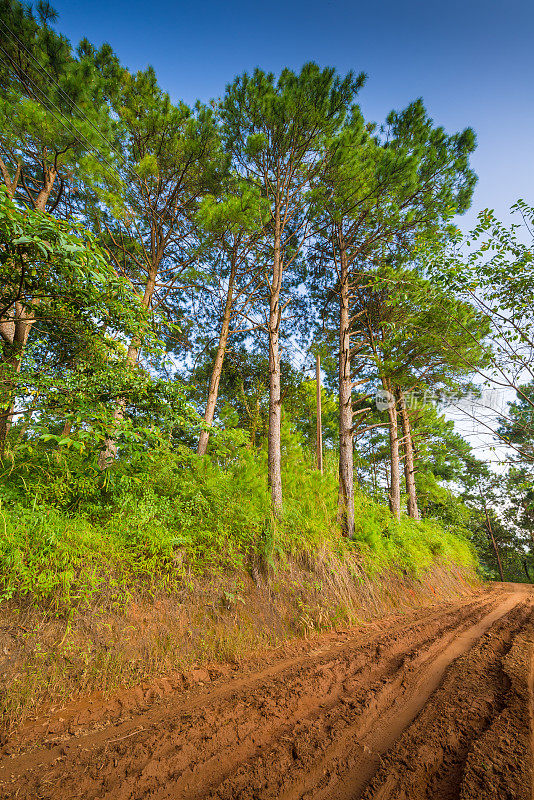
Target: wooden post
319	414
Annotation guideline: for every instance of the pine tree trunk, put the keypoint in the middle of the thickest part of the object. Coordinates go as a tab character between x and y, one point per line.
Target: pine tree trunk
44	194
274	458
67	428
346	456
6	418
218	364
373	470
108	454
409	463
11	183
394	490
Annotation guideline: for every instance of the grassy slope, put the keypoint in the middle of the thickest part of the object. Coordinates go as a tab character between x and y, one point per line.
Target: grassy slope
112	584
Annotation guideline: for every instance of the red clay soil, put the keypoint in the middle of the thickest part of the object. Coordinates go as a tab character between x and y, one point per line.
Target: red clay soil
437	705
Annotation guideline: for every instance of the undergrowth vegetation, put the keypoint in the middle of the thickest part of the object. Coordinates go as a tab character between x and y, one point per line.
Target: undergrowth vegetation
153	522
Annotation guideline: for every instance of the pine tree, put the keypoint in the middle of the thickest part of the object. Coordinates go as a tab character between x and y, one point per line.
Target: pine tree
233	224
56	131
378	193
410	336
175	155
276	132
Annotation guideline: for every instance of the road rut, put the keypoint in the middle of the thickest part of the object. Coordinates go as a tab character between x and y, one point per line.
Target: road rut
437	706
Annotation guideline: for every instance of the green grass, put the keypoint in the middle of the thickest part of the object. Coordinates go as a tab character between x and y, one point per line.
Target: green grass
150	524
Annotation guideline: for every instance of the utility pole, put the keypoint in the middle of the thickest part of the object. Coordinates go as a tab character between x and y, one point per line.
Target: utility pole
319	415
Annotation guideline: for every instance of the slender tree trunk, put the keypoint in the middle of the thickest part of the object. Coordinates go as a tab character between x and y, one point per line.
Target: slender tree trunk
394	491
10	182
493	542
319	414
346	454
44	194
66	430
373	470
5	424
409	463
274	457
108	453
218	364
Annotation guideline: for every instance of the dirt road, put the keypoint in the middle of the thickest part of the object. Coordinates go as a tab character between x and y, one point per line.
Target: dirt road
437	705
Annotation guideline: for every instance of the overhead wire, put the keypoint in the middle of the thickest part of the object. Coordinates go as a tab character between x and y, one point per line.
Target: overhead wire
69	128
67	97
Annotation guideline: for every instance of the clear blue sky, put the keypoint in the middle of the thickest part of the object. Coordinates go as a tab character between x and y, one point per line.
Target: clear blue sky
472	61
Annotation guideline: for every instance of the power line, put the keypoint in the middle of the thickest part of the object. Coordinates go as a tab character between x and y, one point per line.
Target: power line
68	98
73	131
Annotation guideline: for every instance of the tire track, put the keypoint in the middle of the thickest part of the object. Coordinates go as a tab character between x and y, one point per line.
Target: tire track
459	746
317	725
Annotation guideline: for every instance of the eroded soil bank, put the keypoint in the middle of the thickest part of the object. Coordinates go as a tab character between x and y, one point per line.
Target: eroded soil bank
50	656
434	703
